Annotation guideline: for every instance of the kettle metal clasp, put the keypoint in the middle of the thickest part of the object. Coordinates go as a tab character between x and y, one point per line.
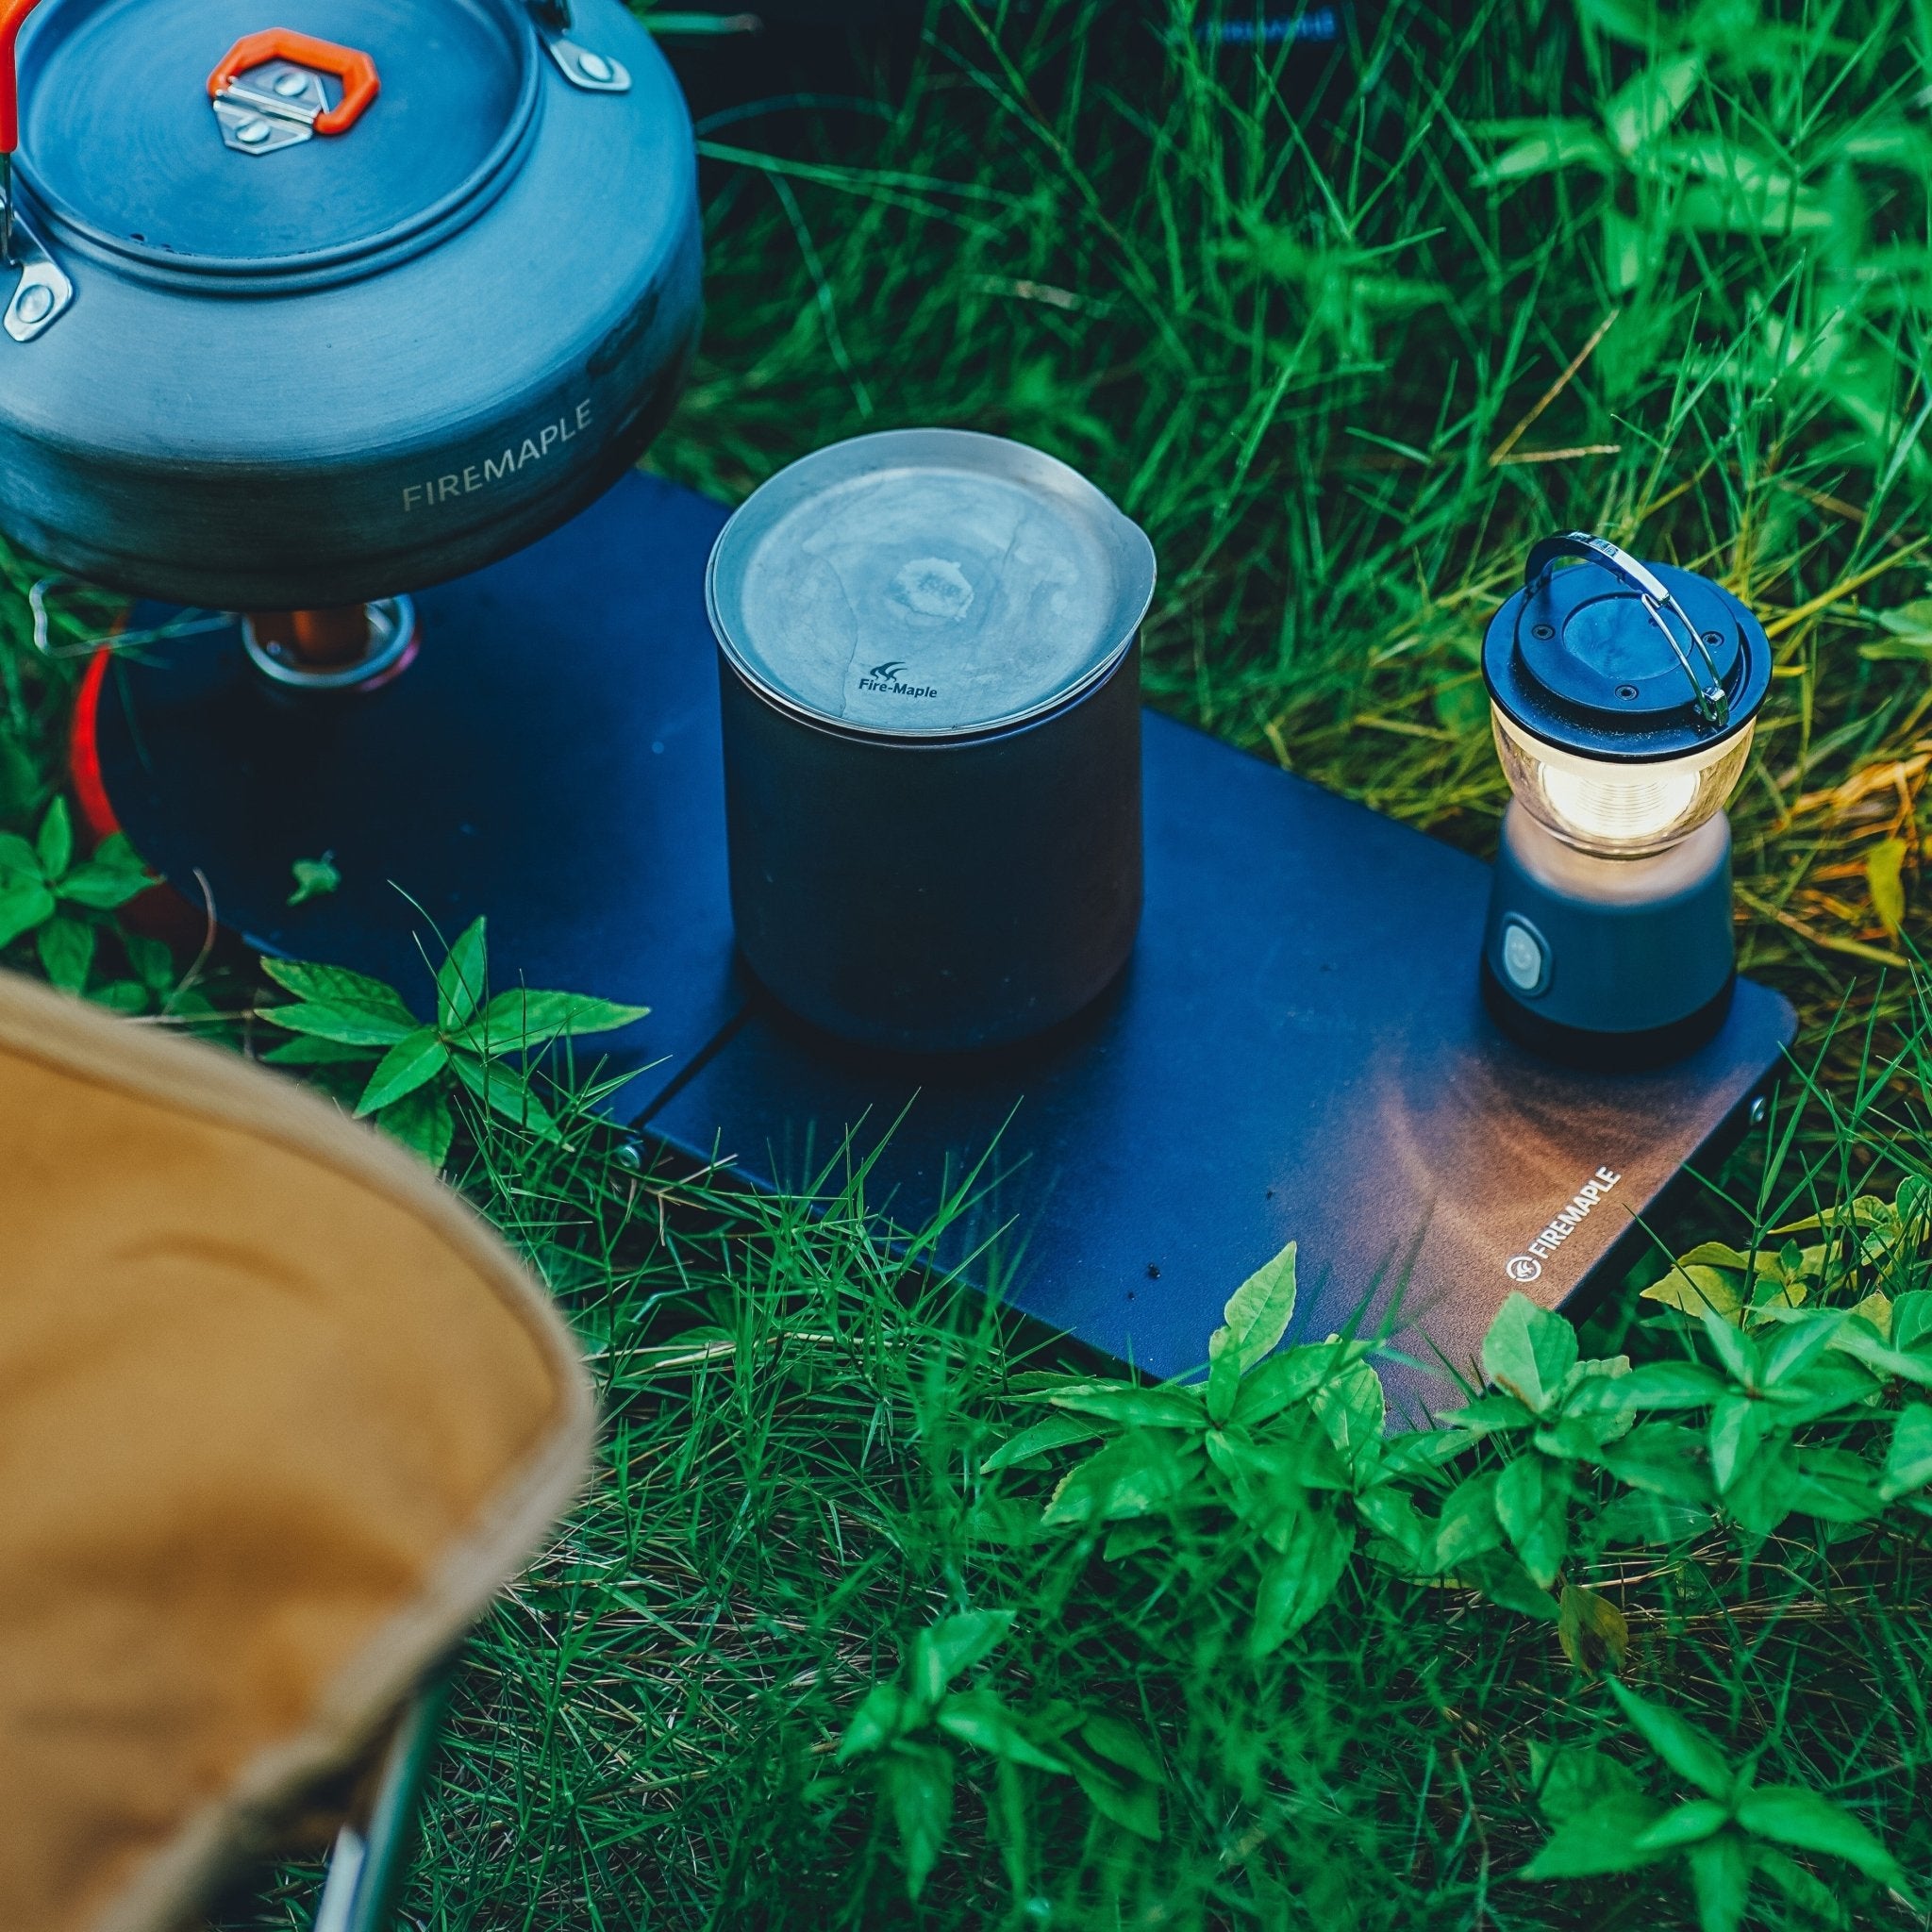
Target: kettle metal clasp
43	292
596	73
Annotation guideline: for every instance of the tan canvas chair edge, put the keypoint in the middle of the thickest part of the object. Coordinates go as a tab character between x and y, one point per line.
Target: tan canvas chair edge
192	1077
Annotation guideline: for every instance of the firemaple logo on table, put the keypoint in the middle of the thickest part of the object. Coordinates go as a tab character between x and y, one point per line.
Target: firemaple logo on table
473	476
1528	1265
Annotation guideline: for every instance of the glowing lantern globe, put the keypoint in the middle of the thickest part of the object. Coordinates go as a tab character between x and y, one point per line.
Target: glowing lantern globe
1624	696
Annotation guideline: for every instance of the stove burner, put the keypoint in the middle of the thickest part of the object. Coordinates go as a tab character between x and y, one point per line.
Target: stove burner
356	647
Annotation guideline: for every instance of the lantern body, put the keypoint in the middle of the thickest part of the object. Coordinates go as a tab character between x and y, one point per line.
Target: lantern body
1623	699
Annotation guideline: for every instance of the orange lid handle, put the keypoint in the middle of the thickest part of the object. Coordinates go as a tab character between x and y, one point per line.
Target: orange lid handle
13	15
355	71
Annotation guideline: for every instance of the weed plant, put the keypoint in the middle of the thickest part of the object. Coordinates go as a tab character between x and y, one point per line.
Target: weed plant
1345	336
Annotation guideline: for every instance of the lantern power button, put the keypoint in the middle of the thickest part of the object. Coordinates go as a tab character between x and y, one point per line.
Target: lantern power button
1525	957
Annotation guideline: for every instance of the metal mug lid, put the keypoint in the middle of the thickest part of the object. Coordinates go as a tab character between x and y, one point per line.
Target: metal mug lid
927	584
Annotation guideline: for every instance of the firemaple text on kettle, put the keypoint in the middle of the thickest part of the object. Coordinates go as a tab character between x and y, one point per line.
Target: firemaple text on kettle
474	476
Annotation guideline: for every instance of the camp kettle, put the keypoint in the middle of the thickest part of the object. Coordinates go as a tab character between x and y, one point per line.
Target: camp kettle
309	302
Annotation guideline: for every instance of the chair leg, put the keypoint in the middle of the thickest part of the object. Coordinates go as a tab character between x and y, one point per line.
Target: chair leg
369	1859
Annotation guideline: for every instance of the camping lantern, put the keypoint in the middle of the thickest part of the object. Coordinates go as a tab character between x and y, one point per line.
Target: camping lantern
1624	696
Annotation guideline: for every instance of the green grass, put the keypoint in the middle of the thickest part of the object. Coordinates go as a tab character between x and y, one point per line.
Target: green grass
1344	357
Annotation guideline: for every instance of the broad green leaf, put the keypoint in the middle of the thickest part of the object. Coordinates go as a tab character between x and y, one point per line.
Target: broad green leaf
1528	1351
1663	1460
1885	881
1911	1319
1816	1900
918	1782
1164	1406
1126	1802
1736	1427
1687	1751
1053	1432
1136	1474
1825	1387
1570	1780
336	986
125	996
1835	1486
1119	1775
1297	1582
332	1002
462	978
1860	1211
17	859
1405	1541
876	1722
1720	1881
1121	1745
1257	1313
1790	1815
1591	1630
516	1021
1488	1414
307	1050
1796	1343
1647	104
507	1093
1737	1353
978	1717
1642	1518
1694	1289
1291	1376
404	1067
1908	1461
153	963
53	847
1762	1491
1555	146
1717	1255
1533	1506
1469	1526
1600	1839
66	947
1500	1575
1684	1824
1415	1451
954	1645
347	1025
422	1121
1654	1384
102	887
1582	1438
25	903
1912	1364
1354	1411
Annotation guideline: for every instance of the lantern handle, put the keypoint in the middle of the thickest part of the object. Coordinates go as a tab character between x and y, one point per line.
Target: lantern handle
1713	703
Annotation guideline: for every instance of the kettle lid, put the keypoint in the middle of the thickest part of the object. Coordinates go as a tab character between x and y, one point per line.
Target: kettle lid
121	140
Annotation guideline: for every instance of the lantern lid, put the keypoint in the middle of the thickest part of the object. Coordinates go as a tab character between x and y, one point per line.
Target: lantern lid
1613	659
927	584
122	144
